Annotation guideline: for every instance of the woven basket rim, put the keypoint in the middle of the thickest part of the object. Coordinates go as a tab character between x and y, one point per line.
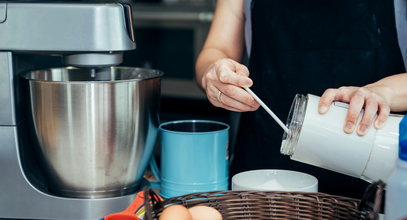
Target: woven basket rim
247	204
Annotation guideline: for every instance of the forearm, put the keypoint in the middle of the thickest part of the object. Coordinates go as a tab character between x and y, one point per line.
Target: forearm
225	37
395	87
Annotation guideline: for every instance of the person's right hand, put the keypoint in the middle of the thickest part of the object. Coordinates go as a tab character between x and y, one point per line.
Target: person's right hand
223	83
374	100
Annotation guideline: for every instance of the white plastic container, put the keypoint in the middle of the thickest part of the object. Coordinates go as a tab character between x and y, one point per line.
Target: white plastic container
274	180
396	188
319	140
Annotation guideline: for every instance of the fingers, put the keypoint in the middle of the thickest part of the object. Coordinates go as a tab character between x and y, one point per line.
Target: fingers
369	114
242	70
226	75
223	84
372	105
326	100
384	112
376	110
355	107
232	98
342	94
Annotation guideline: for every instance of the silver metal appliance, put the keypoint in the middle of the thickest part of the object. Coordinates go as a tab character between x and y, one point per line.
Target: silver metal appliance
37	36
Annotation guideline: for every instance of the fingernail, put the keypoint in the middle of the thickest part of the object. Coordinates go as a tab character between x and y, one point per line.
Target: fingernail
362	130
323	110
349	127
379	124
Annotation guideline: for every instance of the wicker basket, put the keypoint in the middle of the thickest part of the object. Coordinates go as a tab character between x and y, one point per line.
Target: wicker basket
276	205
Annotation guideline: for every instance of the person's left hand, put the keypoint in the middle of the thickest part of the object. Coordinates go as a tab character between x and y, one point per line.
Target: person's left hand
374	100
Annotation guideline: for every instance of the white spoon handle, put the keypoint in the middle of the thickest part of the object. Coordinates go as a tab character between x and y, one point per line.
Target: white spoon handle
279	122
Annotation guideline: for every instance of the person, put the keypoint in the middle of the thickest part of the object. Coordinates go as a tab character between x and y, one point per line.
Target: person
293	46
377	100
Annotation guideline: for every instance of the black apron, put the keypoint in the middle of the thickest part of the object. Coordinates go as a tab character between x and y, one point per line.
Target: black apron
306	47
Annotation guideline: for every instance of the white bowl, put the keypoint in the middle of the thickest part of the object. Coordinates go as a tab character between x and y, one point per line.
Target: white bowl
275	180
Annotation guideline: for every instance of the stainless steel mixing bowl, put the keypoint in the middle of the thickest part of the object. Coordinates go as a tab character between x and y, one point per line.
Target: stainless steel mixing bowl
96	128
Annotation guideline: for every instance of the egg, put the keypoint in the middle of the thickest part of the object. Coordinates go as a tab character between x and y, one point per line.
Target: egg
175	212
201	212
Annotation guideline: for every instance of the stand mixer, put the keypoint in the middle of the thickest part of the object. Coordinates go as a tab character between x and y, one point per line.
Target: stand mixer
41	35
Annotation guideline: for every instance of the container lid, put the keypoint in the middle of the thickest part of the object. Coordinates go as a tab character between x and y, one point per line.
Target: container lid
403	139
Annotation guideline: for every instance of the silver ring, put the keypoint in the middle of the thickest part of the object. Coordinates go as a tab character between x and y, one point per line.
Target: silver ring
218	96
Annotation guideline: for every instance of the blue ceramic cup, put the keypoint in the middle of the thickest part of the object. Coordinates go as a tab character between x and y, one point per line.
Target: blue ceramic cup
194	157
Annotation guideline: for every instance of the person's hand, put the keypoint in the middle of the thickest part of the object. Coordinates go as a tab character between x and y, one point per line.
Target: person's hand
374	100
223	83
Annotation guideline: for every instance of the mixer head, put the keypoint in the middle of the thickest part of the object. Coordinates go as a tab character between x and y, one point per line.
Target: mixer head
85	34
